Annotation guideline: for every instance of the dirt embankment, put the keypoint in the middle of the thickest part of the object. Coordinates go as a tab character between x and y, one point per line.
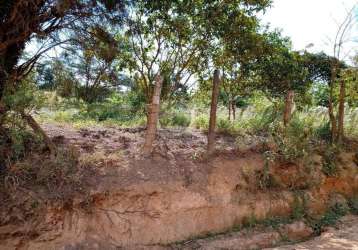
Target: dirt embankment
141	203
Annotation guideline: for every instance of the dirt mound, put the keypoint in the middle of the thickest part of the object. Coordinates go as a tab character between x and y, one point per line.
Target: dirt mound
176	195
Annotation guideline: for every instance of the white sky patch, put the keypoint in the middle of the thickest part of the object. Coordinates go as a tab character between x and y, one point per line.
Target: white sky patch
310	21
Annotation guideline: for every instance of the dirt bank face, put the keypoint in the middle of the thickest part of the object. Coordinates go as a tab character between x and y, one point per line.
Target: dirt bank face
172	197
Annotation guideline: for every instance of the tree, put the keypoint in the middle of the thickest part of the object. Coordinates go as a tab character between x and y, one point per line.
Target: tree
281	71
153	117
45	76
238	75
341	38
180	39
162	40
91	58
22	21
214	106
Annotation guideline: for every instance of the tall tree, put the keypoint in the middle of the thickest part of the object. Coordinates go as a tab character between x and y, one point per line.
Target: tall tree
153	117
213	109
22	21
282	71
91	56
342	36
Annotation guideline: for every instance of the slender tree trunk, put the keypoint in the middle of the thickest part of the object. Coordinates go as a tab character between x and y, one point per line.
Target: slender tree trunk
332	117
37	129
229	108
342	95
2	113
233	105
214	105
288	107
153	116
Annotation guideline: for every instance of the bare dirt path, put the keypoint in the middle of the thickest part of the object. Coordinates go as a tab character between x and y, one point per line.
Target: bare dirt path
345	237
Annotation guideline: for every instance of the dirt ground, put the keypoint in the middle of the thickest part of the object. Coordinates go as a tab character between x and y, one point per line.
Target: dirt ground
116	153
344	237
177	182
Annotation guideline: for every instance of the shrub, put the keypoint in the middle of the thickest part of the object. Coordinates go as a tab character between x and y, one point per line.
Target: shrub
224	126
323	131
15	143
330	218
181	120
264	177
201	122
353	205
262	119
63	116
299	206
175	120
58	177
293	141
329	166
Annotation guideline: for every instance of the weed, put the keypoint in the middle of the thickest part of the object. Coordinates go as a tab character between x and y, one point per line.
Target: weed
250	222
177	119
224	126
264	178
330	218
329	166
276	222
201	122
323	131
57	177
299	206
353	205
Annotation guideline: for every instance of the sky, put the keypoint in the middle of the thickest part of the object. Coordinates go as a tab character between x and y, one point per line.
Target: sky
310	21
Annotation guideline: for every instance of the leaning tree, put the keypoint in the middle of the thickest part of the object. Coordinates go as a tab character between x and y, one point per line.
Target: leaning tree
21	23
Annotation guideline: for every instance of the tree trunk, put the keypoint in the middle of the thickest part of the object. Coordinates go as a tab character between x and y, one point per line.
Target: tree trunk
8	61
332	117
288	107
153	116
342	95
233	105
229	108
2	113
37	129
214	105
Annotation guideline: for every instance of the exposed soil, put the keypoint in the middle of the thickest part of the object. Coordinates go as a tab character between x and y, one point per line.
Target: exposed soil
117	153
127	201
343	237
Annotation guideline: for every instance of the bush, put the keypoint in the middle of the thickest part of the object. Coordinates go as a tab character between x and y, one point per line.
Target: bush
353	205
293	141
180	120
224	126
201	122
58	177
63	116
323	132
262	119
175	120
330	218
329	166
